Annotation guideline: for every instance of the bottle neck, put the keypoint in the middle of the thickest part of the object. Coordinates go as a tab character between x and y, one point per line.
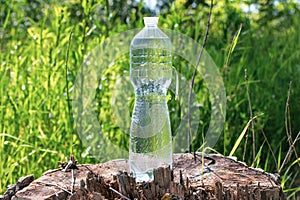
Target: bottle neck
151	22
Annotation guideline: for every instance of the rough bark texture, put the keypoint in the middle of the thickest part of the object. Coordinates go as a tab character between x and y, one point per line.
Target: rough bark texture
196	176
13	189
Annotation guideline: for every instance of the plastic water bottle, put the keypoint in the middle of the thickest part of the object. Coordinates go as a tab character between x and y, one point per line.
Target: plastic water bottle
150	74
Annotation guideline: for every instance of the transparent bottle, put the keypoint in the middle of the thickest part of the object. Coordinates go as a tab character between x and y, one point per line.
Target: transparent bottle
150	74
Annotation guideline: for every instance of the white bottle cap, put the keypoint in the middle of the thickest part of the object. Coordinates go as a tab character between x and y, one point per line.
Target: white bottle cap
150	21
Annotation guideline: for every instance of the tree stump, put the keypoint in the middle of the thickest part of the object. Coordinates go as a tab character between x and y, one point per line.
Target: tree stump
194	176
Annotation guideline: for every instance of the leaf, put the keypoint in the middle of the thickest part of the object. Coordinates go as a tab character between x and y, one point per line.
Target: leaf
233	44
235	39
237	143
296	161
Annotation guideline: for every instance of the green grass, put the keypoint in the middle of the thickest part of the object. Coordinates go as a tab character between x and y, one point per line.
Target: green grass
42	50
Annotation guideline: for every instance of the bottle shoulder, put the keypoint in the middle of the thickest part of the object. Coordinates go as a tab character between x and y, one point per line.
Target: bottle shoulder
151	32
151	38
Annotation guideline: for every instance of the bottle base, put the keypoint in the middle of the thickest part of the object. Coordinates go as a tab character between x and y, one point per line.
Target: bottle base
143	177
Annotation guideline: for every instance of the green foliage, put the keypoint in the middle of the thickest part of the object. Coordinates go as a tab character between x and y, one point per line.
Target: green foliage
42	46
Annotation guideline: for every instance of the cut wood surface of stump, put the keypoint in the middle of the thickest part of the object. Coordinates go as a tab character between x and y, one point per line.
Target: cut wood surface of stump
193	176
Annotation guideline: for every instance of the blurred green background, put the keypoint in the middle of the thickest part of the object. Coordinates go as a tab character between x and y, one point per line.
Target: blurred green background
39	62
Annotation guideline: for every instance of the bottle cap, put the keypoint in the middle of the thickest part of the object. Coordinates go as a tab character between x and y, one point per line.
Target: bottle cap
150	21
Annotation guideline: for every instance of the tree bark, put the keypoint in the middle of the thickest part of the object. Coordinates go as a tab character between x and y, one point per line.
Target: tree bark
194	176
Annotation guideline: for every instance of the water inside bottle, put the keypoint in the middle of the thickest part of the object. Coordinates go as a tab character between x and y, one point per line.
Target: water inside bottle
150	142
142	164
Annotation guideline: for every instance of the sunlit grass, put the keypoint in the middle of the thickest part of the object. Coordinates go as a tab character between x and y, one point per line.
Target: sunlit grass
39	62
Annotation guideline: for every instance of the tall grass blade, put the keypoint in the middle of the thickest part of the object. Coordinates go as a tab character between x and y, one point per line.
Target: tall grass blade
233	45
256	161
237	143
